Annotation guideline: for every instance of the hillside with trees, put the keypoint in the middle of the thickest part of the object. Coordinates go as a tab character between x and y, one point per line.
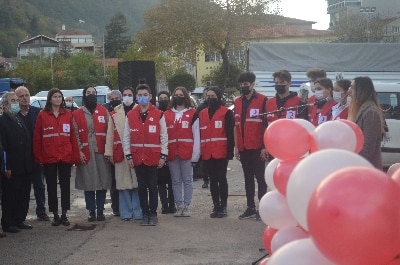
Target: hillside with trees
21	20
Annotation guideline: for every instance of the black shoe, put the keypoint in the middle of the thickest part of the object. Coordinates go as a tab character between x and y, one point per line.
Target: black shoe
205	185
11	229
24	225
153	220
116	213
145	221
215	211
56	221
164	210
223	213
92	216
257	217
64	220
100	216
172	209
43	217
249	213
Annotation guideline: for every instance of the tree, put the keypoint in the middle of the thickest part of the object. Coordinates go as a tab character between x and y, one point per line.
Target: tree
182	28
359	27
216	76
181	78
116	39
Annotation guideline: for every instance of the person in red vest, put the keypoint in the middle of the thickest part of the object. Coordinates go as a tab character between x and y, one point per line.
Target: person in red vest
249	144
217	144
125	177
55	147
340	95
291	104
183	148
145	145
321	110
93	173
164	182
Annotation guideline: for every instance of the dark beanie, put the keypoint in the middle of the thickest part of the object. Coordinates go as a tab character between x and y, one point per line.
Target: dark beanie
217	91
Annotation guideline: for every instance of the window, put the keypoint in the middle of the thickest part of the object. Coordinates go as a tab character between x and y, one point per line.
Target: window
389	103
395	29
211	57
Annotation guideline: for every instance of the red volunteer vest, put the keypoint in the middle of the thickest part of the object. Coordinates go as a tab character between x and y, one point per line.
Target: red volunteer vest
180	135
324	115
118	152
253	126
213	138
290	114
100	129
342	113
145	137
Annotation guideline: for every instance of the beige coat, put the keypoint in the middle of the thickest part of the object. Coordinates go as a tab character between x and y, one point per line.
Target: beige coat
124	176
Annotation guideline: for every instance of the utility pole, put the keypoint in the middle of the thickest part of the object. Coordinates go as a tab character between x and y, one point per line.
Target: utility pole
104	61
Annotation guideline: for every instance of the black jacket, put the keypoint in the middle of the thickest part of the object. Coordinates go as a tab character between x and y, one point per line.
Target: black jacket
17	144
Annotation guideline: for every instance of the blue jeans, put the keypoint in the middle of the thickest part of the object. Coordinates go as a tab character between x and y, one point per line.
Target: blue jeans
95	200
129	204
182	178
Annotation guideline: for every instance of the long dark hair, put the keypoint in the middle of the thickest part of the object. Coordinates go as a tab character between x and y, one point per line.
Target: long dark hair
187	103
48	106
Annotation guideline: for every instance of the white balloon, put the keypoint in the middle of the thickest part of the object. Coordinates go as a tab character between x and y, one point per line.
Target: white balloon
335	134
307	175
269	173
393	168
287	235
299	252
274	211
306	124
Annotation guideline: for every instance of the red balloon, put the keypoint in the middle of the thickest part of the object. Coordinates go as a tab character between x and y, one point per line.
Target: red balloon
359	134
313	144
282	173
269	232
354	217
286	139
394	262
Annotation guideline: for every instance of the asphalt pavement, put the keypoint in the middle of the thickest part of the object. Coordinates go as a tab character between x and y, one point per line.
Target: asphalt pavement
198	239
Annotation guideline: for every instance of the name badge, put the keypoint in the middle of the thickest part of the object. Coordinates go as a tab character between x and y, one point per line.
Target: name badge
218	124
290	114
322	119
66	128
152	129
254	112
101	119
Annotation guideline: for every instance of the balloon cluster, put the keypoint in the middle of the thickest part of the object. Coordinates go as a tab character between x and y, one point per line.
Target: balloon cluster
327	204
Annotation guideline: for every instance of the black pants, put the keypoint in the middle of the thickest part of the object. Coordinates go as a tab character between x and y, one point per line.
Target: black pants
15	199
64	174
218	181
253	167
114	194
147	185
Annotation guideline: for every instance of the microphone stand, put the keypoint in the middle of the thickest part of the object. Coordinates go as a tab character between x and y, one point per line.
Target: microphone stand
290	108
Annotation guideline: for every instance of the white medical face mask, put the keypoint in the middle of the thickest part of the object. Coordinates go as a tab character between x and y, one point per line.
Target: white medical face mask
337	96
127	100
319	94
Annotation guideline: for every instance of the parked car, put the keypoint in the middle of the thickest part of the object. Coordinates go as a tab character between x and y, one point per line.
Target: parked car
40	102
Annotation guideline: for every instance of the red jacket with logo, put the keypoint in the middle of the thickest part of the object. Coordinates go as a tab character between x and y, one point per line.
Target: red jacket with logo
253	126
145	137
213	138
100	129
324	114
180	135
290	114
54	138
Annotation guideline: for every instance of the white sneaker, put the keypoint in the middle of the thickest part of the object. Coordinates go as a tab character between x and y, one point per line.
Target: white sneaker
179	211
186	212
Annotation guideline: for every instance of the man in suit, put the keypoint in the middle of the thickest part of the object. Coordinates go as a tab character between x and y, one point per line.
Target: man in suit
28	115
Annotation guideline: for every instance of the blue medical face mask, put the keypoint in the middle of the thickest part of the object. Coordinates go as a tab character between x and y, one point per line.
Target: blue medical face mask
14	109
143	100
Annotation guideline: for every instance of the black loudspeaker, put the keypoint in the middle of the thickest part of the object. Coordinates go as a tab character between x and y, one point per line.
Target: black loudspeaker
133	73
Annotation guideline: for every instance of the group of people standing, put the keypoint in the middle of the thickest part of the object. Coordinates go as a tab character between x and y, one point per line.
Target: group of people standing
141	151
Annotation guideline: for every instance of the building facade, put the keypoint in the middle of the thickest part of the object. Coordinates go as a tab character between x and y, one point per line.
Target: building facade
41	46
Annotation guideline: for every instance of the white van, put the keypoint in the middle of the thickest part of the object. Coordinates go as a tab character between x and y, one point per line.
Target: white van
77	94
389	100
